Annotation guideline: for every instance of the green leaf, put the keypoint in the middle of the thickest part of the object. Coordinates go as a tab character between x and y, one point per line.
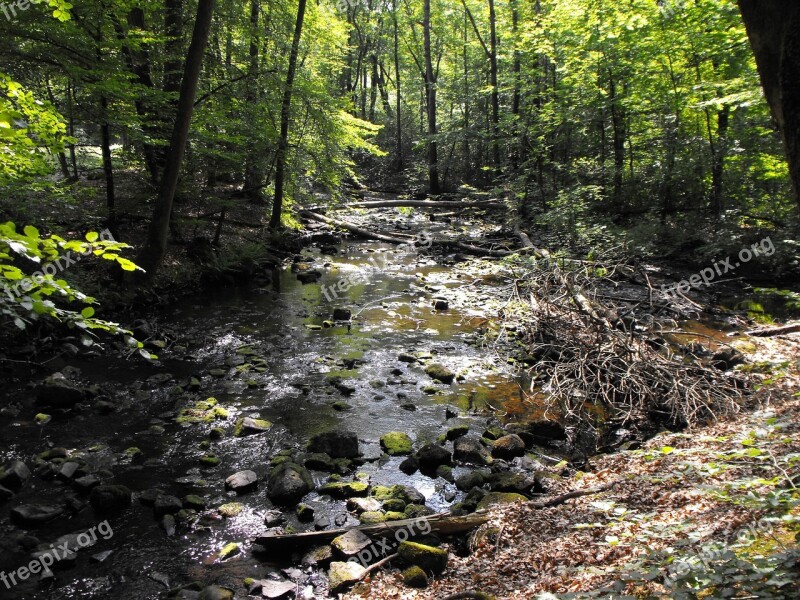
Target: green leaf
92	236
87	312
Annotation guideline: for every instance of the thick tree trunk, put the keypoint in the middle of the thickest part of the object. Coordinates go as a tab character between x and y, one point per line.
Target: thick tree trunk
155	247
430	102
286	106
773	27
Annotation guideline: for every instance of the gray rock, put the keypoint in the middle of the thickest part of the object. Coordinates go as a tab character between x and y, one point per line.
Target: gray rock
344	574
242	482
337	444
276	589
288	483
14	475
431	456
34	514
471	480
508	446
351	543
57	391
107	498
68	470
166	505
321	555
468	449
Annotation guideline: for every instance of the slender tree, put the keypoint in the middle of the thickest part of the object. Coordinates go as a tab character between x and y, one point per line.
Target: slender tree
286	107
153	251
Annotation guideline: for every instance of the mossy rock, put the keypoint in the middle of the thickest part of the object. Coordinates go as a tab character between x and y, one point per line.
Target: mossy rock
393	515
194	502
371	517
439	372
231	509
414	511
415	577
229	551
457	432
205	411
396	443
429	559
217	433
394	504
344	489
209	460
500	498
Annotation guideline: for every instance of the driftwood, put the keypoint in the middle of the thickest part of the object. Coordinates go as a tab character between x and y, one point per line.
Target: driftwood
395	239
443	523
773	331
424	204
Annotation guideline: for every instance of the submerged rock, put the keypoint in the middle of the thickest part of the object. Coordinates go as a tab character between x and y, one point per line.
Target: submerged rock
439	372
337	444
57	391
107	498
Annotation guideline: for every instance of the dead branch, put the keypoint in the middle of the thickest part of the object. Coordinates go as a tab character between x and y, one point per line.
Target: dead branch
570	495
443	523
424	204
773	331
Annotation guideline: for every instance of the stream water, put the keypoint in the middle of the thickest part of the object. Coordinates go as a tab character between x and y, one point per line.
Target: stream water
268	353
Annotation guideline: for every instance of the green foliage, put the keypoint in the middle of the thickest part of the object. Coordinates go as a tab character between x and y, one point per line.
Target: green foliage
28	296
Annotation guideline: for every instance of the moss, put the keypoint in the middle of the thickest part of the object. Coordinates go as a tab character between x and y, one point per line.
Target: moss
498	498
457	431
229	551
394	515
370	517
394	504
209	460
231	509
439	372
344	489
396	443
415	577
430	559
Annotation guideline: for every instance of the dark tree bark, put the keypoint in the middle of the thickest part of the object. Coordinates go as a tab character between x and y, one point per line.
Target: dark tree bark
155	247
493	82
773	27
430	102
399	124
254	167
108	169
286	106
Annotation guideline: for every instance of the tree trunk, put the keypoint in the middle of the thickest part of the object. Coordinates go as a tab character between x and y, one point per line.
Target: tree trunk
286	105
493	83
108	169
253	169
773	27
430	101
155	247
399	125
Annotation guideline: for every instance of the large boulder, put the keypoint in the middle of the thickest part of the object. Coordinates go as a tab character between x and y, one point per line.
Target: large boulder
508	446
469	449
288	483
431	456
337	444
57	391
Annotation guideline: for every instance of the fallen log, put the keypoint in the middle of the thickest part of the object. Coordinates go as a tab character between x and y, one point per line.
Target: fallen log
570	495
424	204
773	331
395	239
442	523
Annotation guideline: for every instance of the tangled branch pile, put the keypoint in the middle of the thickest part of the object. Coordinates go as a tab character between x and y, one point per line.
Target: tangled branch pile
598	367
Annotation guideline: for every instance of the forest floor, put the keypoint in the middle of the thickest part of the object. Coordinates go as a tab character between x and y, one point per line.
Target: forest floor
707	509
